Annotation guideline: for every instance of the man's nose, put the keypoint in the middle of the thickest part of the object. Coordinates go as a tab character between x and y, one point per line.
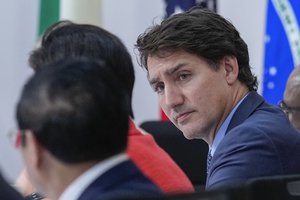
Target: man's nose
173	96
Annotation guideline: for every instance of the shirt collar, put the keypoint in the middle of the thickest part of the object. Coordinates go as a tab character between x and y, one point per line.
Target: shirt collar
222	130
75	189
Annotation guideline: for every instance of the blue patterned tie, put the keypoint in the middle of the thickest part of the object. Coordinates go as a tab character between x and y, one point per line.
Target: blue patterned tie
209	157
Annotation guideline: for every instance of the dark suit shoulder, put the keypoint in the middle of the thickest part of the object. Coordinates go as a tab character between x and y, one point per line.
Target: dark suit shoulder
260	142
7	192
123	180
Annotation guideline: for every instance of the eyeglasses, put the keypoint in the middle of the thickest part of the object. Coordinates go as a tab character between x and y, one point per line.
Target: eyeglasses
16	137
287	109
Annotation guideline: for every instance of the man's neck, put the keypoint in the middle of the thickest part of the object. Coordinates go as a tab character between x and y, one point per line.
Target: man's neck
62	175
239	93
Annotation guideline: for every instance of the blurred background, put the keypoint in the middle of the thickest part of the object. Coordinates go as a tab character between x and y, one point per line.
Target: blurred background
21	25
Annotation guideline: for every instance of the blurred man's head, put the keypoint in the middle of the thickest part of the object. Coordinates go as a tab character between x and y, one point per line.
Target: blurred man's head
291	100
72	112
66	39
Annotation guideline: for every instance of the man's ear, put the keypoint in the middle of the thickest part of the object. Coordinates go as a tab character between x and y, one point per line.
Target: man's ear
231	69
34	149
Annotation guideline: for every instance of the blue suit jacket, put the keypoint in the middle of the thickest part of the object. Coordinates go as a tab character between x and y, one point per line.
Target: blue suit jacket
259	141
123	180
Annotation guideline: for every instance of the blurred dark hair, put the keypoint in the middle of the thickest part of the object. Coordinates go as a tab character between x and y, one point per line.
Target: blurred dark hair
66	39
76	109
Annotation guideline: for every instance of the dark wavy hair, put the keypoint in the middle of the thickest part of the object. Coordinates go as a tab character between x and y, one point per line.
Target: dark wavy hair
200	32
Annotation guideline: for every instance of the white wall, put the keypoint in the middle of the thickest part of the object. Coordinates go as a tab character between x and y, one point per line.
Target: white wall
18	31
127	19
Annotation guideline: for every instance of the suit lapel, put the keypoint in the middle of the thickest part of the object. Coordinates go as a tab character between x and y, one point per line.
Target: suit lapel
246	108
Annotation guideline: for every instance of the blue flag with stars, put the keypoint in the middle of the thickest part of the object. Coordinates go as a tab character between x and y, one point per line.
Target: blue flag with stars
282	46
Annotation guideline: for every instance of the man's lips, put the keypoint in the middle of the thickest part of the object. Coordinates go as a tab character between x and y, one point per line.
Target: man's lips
182	116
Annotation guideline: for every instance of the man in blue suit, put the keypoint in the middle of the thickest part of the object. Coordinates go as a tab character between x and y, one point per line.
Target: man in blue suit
73	125
198	65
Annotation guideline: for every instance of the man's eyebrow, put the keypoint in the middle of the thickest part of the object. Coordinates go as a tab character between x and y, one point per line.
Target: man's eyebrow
176	68
171	71
153	81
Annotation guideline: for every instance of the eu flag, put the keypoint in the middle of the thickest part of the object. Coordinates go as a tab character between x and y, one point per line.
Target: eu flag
282	46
